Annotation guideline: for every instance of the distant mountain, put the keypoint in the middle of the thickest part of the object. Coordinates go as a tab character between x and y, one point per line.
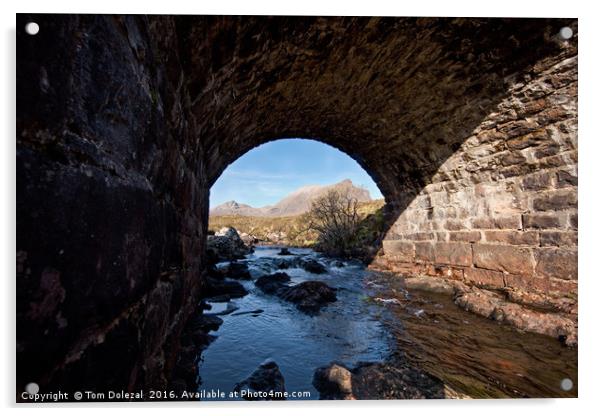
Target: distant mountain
294	203
234	208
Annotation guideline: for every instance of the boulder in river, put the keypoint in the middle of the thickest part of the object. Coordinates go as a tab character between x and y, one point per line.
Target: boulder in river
312	266
266	383
273	282
309	296
284	252
225	245
238	271
224	288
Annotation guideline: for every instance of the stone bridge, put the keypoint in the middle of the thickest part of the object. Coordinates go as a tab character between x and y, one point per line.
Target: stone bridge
468	126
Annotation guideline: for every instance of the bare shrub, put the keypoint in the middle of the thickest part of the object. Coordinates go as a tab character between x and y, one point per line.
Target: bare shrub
335	217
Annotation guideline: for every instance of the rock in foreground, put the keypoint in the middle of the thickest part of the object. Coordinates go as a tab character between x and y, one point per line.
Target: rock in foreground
378	381
266	383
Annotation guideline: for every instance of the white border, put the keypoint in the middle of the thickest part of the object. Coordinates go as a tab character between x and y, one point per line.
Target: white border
590	180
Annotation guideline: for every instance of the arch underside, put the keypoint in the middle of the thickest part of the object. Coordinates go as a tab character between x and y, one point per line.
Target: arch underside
467	126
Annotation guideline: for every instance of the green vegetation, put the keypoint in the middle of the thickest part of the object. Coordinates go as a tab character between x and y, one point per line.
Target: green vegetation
294	230
290	231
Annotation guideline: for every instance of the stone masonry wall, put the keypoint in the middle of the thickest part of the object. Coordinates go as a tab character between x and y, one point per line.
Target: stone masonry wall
502	211
111	206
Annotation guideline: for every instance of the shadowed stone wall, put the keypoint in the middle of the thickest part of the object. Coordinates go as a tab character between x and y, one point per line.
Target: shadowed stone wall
468	126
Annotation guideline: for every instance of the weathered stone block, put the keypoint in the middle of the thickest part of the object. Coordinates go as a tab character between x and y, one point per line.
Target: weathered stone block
542	284
556	201
511	158
400	250
518	128
424	252
466	236
565	178
458	254
528	140
552	115
504	258
454	225
441	236
513	237
488	136
557	263
558	238
545	150
422	236
511	222
557	160
537	182
541	221
484	278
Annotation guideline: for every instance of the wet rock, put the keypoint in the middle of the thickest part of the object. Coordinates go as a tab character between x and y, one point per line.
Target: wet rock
333	382
216	273
541	301
254	312
494	306
206	322
238	271
225	245
312	266
272	283
377	381
218	299
284	252
309	296
433	284
282	264
226	287
266	383
230	307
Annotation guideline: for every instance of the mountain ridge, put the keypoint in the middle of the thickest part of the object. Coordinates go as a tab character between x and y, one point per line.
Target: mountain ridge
295	203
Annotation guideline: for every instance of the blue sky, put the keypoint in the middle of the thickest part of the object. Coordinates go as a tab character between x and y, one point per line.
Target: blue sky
269	172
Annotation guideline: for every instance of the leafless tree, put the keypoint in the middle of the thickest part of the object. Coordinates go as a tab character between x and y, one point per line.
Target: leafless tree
334	216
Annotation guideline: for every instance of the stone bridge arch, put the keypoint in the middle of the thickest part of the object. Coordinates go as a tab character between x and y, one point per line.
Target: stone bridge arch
468	127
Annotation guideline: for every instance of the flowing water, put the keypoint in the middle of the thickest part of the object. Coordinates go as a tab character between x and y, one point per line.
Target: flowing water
373	317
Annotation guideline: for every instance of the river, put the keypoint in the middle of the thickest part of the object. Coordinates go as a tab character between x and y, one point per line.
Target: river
373	318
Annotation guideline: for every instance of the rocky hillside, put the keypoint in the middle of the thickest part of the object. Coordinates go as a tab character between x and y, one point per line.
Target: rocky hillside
295	203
